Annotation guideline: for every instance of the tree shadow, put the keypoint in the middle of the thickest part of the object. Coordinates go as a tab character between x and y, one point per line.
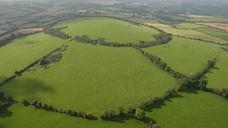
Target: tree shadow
93	118
148	119
191	90
26	87
5	113
216	68
121	119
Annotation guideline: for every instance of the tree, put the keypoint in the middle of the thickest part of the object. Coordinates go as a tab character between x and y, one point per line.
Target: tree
139	113
111	113
156	126
202	85
105	114
149	102
74	113
49	107
142	105
2	95
69	111
9	98
34	102
44	106
39	104
167	68
20	34
25	102
120	110
130	109
89	115
83	114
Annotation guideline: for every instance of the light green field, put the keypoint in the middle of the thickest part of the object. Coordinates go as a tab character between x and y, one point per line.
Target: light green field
202	18
111	29
37	118
191	109
18	23
184	55
189	25
23	51
194	34
93	78
214	32
217	77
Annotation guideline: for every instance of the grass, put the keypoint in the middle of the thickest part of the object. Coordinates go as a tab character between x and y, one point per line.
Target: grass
201	18
194	34
29	25
93	78
20	52
214	32
190	26
191	109
217	77
38	118
111	29
18	23
184	55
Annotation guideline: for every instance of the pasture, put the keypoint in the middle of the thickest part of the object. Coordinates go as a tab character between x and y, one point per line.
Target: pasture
110	29
217	77
194	34
46	119
93	78
25	50
222	26
214	32
190	26
191	109
202	18
184	55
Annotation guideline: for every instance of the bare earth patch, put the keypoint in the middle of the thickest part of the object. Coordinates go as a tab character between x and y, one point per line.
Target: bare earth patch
115	15
51	13
173	4
104	2
222	26
24	31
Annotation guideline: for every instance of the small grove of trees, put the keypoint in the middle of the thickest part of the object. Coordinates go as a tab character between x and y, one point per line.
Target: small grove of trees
39	105
7	98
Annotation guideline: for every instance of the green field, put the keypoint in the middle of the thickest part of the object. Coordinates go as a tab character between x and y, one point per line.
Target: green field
217	77
37	118
194	34
93	78
110	29
191	109
23	51
214	32
184	55
190	26
202	18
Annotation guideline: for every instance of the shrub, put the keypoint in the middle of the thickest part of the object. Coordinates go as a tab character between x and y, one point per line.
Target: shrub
130	110
202	85
171	91
9	98
139	114
156	99
89	115
105	114
156	126
34	102
79	113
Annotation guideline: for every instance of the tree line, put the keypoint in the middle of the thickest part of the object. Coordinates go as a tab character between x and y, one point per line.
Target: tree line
6	98
39	105
56	32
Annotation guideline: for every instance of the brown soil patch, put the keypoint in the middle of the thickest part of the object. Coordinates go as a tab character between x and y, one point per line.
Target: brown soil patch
51	13
104	2
78	11
173	4
115	15
222	26
23	31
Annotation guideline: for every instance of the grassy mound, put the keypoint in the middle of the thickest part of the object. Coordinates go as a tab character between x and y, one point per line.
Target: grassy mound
184	55
22	51
111	29
191	109
28	117
93	78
